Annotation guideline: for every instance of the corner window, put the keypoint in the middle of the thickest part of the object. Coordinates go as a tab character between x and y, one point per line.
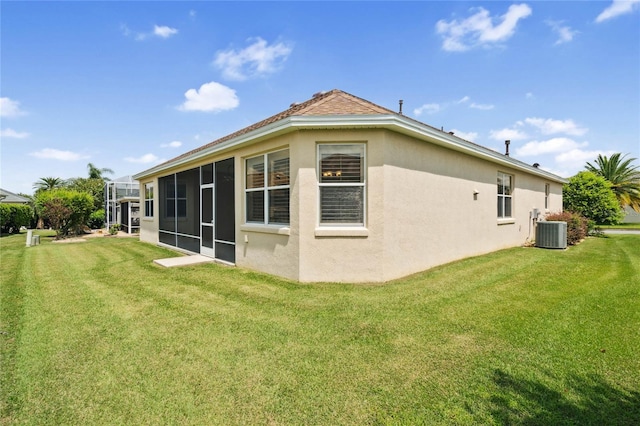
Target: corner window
341	180
505	191
267	188
148	200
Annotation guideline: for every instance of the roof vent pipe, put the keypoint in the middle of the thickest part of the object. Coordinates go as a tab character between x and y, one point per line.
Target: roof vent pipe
506	145
400	102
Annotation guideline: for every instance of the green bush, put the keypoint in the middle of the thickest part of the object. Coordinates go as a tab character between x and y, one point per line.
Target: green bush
591	196
66	210
578	227
113	230
96	219
14	216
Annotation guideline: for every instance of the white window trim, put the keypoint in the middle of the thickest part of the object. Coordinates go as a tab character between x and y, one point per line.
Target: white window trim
506	219
265	225
342	229
149	200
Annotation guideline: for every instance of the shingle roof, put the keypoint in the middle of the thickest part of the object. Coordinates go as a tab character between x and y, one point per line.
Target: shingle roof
336	103
10	197
333	102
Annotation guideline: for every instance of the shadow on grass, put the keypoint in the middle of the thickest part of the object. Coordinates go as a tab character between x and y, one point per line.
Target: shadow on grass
584	401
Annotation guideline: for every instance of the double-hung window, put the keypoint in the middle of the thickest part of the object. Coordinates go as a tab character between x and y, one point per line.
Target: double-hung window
267	188
547	191
148	200
342	185
505	194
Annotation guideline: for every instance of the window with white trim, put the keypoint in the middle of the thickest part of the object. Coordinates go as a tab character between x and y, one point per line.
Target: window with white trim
267	188
148	200
505	195
342	185
547	191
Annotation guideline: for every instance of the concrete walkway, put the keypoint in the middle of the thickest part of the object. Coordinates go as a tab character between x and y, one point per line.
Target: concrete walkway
172	262
622	231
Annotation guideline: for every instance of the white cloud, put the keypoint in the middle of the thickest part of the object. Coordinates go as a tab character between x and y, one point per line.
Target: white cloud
10	133
255	60
174	144
56	154
617	8
10	108
470	136
192	14
211	97
507	134
576	158
479	29
550	126
427	109
484	107
529	95
565	33
164	31
145	159
463	100
161	31
549	146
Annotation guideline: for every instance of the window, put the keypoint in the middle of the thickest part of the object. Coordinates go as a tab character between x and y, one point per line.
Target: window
267	188
148	200
505	190
547	191
341	180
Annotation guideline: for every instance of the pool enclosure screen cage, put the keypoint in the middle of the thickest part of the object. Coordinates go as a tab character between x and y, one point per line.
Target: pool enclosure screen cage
122	204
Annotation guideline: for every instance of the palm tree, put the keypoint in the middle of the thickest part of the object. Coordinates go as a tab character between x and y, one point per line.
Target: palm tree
96	173
46	183
623	175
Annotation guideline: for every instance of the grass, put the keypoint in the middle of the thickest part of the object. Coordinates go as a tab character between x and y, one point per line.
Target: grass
94	333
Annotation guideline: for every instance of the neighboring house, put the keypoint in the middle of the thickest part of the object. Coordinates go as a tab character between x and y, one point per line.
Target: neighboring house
122	204
10	197
631	216
340	189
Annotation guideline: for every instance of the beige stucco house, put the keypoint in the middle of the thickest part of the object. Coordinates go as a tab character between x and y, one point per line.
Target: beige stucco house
340	189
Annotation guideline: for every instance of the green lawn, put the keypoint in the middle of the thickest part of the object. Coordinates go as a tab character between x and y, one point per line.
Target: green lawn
94	333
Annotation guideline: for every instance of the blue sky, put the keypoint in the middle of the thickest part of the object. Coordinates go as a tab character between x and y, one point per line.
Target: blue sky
126	85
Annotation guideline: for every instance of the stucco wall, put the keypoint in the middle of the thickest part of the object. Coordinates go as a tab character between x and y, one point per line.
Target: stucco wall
421	210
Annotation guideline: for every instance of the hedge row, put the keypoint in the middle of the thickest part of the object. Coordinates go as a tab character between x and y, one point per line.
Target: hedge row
13	216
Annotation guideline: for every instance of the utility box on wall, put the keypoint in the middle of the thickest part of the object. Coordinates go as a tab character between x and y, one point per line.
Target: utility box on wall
552	234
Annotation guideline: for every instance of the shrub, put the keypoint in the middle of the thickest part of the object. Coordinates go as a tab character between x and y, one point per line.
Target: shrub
577	226
96	219
14	216
591	196
113	230
66	210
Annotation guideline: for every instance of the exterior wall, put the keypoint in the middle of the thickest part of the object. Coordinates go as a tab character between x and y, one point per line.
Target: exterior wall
149	225
441	206
272	249
422	210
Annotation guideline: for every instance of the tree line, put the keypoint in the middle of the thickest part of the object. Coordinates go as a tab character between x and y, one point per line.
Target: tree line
68	206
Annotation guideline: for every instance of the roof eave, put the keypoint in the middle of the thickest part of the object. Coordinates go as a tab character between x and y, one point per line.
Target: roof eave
393	122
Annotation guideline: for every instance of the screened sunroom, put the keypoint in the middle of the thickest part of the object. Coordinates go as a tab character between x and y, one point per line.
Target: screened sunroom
122	204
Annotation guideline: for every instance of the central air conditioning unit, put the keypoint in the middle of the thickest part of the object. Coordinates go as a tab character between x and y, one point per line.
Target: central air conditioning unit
551	234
